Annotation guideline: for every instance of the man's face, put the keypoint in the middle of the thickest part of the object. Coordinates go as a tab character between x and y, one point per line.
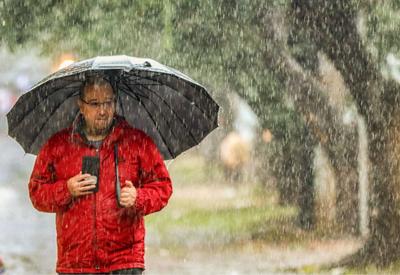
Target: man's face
98	108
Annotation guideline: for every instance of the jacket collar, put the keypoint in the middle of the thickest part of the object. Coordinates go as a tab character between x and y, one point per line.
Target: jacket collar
119	124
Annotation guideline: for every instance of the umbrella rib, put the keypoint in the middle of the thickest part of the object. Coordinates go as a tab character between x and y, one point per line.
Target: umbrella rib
146	97
154	77
147	111
191	84
162	137
173	111
138	76
40	101
166	121
121	106
48	118
150	116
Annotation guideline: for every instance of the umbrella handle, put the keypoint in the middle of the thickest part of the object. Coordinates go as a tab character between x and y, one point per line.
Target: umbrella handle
117	182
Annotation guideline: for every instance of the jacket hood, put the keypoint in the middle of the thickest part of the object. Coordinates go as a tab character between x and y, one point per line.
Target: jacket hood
118	126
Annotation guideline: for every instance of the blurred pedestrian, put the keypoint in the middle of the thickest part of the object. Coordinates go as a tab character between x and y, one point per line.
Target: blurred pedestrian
235	154
99	223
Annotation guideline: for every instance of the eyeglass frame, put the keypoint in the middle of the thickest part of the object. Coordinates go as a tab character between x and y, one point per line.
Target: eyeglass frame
97	105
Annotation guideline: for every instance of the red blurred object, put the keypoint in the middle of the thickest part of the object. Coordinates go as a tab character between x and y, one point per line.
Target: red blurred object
2	268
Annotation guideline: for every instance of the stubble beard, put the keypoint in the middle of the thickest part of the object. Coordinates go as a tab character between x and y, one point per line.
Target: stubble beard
94	131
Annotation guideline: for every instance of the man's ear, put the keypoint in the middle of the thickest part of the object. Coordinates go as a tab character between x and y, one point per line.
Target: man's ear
80	104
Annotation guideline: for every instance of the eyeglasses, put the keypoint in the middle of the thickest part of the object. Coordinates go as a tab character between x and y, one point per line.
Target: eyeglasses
98	105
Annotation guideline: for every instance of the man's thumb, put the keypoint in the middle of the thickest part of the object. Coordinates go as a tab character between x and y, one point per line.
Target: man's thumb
129	183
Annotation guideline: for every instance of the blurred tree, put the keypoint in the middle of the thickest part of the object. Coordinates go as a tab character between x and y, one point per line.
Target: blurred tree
221	39
340	141
333	27
243	43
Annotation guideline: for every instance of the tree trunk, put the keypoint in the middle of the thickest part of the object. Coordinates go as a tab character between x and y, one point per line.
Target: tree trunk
296	184
382	247
306	197
322	120
344	163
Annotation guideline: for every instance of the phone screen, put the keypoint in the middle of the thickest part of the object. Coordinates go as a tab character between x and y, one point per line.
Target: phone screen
91	165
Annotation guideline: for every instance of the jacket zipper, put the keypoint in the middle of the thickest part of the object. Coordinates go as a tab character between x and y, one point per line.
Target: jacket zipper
96	261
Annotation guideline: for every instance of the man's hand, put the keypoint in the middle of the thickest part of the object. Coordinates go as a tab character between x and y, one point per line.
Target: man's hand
128	195
81	184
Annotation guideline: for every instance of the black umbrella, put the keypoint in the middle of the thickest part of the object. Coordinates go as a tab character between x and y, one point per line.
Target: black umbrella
170	107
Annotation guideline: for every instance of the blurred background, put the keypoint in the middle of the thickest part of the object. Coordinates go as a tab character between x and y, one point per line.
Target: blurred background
302	174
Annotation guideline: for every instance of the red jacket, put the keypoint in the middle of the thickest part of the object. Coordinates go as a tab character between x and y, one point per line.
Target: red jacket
93	233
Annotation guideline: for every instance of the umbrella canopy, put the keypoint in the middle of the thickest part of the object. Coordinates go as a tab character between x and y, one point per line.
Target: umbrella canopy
167	105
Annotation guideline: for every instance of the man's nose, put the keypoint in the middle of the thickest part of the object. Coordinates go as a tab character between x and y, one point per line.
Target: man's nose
102	109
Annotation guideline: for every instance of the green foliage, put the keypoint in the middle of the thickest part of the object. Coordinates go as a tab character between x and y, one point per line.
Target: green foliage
225	38
86	28
382	27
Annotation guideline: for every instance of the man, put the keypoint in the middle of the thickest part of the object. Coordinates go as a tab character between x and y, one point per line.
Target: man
95	233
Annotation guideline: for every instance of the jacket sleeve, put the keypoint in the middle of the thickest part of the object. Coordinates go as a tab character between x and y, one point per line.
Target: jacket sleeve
155	183
46	193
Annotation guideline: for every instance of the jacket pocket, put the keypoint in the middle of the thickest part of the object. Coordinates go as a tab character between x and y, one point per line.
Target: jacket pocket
117	226
74	235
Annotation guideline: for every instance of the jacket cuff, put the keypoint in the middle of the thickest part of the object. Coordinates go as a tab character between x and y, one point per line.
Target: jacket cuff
139	203
62	196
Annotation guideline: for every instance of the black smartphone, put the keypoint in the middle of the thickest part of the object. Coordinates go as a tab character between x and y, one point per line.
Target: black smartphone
91	165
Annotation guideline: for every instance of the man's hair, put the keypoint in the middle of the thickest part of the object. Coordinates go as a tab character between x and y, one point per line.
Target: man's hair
94	80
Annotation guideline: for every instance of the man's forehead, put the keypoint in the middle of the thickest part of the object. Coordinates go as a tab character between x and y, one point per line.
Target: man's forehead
94	91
